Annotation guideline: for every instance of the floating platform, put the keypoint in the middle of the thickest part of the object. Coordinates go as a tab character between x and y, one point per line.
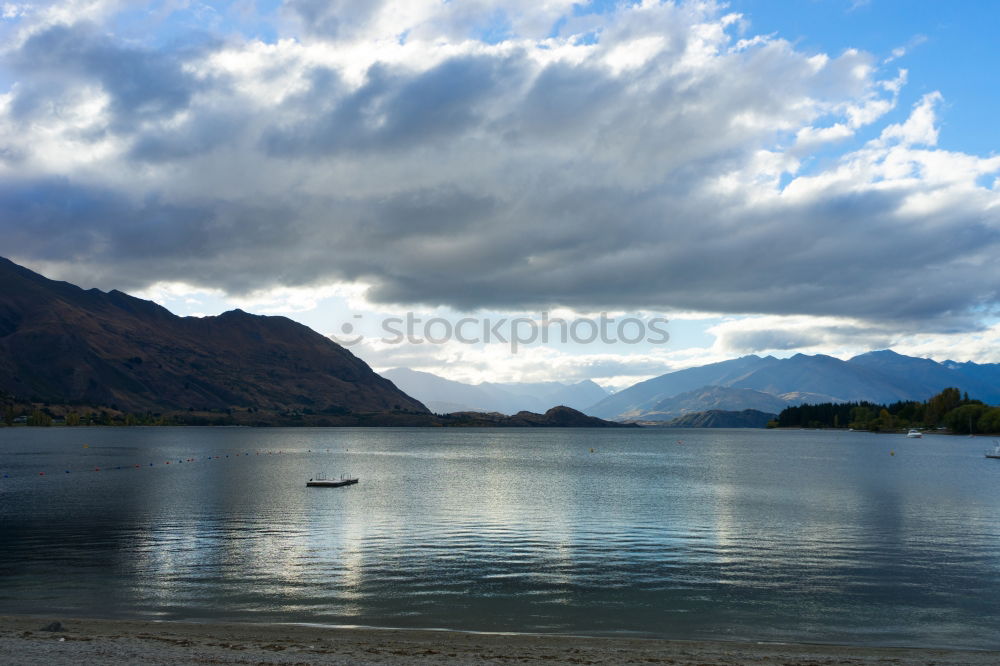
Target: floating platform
330	483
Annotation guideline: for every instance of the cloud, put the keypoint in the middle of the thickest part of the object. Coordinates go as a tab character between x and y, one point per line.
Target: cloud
920	128
472	156
845	337
776	334
337	19
140	84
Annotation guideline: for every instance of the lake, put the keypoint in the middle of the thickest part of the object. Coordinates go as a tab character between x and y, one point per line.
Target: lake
805	536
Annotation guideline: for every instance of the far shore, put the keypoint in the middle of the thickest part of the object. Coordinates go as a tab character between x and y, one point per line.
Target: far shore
889	432
23	641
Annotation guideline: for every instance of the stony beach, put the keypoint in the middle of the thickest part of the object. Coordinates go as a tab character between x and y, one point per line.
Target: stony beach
29	640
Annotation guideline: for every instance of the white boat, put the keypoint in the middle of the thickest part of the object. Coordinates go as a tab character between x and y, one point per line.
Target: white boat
995	453
914	433
323	482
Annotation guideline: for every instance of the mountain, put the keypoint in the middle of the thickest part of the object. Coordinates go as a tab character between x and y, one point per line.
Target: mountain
985	374
928	377
557	417
546	394
826	375
440	395
643	396
445	395
880	376
65	345
714	398
716	418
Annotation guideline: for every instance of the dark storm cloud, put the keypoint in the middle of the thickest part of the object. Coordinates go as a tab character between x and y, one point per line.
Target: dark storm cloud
113	240
393	109
142	84
486	177
189	139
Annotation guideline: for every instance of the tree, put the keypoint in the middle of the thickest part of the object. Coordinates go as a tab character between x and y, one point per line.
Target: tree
885	420
72	419
860	416
39	418
941	404
964	419
989	421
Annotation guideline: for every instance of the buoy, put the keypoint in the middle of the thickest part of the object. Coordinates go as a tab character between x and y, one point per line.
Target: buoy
67	471
41	474
892	453
97	469
591	450
168	462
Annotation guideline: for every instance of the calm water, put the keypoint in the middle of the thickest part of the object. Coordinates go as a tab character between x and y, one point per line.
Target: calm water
789	536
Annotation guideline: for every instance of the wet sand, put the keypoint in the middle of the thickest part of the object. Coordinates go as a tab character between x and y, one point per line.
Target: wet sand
89	641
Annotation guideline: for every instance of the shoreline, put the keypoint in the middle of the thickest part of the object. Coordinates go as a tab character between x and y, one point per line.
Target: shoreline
87	640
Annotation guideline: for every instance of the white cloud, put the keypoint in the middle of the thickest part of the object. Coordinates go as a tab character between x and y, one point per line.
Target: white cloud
920	127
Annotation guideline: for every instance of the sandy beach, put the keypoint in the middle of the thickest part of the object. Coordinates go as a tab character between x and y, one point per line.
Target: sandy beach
25	641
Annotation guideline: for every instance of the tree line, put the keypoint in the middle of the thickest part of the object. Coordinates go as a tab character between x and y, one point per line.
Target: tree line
44	417
949	409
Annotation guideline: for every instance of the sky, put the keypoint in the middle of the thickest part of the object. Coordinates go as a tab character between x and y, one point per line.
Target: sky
770	176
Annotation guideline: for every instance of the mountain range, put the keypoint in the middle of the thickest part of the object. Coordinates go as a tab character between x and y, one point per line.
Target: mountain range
64	345
557	417
445	395
768	384
708	398
73	349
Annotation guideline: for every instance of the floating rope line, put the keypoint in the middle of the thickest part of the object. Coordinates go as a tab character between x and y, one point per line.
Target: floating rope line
207	458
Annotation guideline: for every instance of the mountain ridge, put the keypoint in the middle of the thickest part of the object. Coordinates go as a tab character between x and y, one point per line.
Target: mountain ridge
881	376
60	343
718	418
708	398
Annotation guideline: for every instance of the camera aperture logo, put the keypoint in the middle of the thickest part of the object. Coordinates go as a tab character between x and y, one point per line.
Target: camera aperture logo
517	332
